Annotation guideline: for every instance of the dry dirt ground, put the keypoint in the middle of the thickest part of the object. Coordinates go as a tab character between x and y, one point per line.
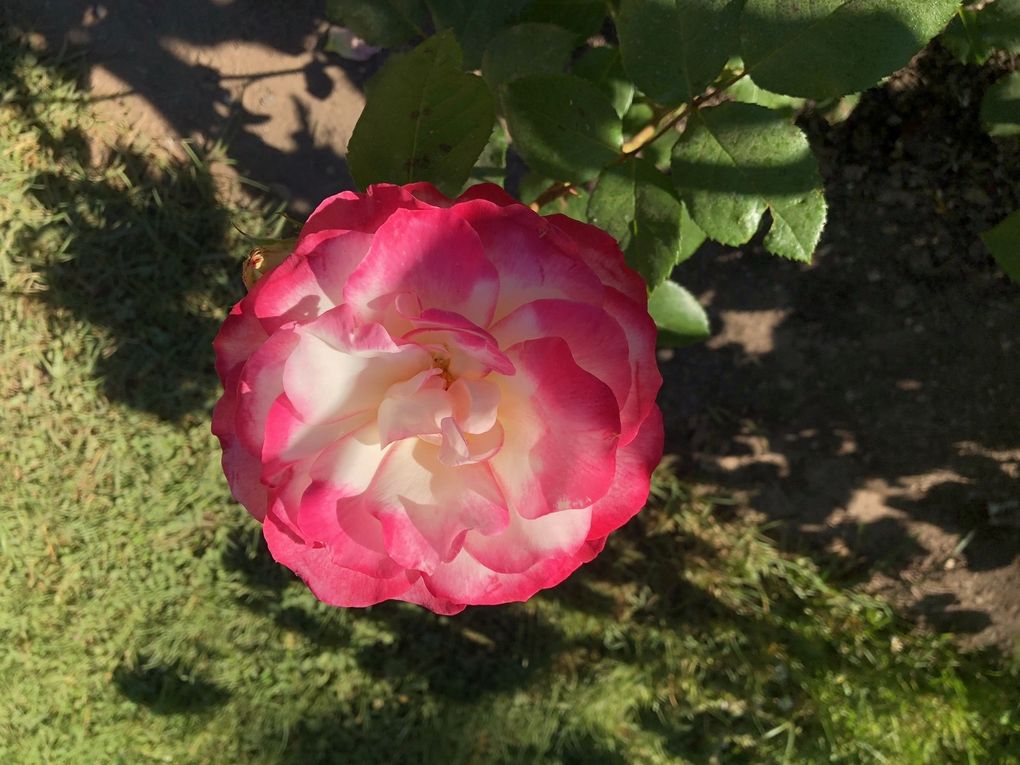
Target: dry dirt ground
868	403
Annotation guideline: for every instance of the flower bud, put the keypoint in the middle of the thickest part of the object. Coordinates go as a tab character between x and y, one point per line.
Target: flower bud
263	259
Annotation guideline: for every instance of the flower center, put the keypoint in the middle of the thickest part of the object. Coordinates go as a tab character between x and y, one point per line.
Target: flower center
457	414
441	361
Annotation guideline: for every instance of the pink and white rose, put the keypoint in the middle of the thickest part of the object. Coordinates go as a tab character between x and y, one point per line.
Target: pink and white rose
447	402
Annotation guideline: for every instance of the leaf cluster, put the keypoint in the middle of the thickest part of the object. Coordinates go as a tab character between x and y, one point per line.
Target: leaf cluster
665	122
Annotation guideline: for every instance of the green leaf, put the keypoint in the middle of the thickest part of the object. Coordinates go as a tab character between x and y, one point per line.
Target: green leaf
737	160
660	151
638	115
582	17
603	67
380	22
490	167
634	204
678	315
1000	109
424	120
837	110
691	236
964	40
827	48
526	49
673	49
475	22
746	91
975	34
1004	243
562	126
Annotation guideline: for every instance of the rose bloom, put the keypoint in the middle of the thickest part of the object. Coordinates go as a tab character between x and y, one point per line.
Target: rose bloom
446	402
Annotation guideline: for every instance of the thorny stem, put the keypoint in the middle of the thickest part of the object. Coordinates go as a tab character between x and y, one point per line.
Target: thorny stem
646	136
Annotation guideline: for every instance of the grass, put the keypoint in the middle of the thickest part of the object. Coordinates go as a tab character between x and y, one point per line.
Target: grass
142	619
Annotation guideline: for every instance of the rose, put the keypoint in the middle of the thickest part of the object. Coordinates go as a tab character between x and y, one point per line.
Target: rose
442	402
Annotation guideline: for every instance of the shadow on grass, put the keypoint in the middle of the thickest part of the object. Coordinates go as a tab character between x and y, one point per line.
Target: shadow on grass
265	583
167	689
140	262
143	249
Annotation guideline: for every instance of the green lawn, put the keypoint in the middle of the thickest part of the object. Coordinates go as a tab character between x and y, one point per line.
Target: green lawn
143	621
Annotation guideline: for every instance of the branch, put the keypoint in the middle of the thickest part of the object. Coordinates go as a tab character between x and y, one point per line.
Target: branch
646	136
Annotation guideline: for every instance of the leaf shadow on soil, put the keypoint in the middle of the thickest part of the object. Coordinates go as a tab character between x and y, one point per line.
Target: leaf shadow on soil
139	44
873	395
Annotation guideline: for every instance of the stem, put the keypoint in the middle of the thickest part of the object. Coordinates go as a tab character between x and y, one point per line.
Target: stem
646	136
554	192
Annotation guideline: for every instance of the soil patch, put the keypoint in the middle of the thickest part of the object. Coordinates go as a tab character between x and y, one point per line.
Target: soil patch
870	402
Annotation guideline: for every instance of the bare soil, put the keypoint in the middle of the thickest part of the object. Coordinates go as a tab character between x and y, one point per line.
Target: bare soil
868	403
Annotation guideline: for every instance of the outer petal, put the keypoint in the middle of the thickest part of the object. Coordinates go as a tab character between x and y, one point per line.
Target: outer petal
634	465
425	507
302	288
490	192
644	368
241	468
600	252
419	594
530	267
261	383
238	338
331	583
597	342
562	425
430	254
465	580
349	211
524	543
354	541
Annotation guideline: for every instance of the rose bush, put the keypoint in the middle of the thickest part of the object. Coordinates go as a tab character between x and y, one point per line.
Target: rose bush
447	402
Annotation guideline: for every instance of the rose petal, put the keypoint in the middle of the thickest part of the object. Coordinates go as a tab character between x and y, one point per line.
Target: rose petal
260	384
241	469
465	580
634	465
419	594
340	367
600	252
289	439
529	266
414	407
350	211
430	254
524	542
331	583
238	338
475	404
490	192
645	377
597	342
425	507
302	288
562	425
